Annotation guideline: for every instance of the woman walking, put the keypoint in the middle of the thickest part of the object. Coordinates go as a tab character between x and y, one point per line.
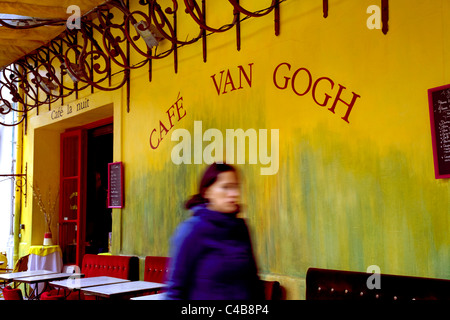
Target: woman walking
211	252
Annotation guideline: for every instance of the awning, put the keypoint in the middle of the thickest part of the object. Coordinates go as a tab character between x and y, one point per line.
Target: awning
15	43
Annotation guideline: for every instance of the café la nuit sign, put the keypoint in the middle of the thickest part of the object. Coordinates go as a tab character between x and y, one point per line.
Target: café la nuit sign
60	112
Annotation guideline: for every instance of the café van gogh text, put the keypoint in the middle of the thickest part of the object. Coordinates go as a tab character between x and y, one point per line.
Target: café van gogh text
300	81
190	149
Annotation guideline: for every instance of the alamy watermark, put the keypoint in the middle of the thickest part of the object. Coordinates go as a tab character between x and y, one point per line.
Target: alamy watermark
250	144
74	280
374	281
74	21
374	21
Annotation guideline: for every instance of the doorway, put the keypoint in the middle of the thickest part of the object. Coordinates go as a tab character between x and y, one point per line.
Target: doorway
85	219
98	215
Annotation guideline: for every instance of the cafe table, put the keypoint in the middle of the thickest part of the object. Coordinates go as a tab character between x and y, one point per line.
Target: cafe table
81	283
157	296
13	276
44	279
45	258
120	290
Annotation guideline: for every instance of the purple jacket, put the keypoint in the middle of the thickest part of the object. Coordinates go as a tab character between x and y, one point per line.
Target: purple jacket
212	259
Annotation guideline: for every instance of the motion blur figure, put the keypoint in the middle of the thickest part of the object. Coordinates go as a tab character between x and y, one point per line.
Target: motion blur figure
211	252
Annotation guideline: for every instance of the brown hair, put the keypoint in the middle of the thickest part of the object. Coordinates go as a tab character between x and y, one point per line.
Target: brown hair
209	177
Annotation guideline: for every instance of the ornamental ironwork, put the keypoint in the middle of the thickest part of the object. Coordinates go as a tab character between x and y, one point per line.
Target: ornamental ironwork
89	56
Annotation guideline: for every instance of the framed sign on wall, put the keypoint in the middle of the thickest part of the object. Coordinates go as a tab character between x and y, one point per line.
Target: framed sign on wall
439	108
115	185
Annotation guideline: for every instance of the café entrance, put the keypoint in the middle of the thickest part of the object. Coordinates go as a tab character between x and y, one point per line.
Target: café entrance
85	220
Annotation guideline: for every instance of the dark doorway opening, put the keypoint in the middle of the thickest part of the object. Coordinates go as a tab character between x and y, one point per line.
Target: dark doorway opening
98	215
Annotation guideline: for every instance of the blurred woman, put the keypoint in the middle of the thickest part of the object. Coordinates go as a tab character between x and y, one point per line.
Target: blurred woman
211	252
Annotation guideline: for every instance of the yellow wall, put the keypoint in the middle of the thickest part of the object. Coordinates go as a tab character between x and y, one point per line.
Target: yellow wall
347	195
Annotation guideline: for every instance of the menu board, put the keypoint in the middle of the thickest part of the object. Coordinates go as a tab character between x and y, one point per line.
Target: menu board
115	185
439	107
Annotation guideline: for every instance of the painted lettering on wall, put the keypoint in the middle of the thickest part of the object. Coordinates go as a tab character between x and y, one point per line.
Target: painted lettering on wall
59	112
176	112
231	81
83	105
301	82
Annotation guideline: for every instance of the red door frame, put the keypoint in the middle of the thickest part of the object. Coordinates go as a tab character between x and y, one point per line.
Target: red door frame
72	185
80	221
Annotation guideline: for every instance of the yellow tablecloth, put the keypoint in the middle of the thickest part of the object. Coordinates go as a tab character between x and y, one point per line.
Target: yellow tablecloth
44	250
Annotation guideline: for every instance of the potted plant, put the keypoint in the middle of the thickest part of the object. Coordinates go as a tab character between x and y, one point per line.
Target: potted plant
48	211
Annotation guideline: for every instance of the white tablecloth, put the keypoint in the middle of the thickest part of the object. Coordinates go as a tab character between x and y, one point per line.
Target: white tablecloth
45	258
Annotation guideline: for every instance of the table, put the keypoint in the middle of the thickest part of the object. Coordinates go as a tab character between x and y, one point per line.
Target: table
78	284
123	289
45	258
43	279
17	275
20	276
157	296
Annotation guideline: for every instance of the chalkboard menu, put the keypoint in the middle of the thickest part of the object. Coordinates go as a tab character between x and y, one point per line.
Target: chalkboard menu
115	185
439	106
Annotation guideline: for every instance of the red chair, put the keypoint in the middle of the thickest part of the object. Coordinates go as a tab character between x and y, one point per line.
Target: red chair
272	290
156	269
12	294
52	295
124	267
64	294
